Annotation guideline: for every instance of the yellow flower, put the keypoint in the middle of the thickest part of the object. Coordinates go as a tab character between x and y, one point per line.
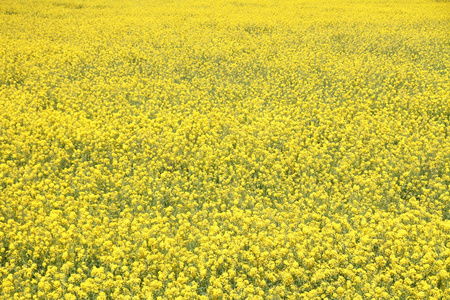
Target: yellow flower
295	150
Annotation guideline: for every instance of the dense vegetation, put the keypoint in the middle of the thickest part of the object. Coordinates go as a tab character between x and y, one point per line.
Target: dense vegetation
224	149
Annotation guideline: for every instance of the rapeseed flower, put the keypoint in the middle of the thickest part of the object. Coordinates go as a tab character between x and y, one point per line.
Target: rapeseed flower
224	150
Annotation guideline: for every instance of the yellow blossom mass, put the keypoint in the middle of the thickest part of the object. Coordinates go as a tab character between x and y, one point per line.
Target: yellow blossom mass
224	149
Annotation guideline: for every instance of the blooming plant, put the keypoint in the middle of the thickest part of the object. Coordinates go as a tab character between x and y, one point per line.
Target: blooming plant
222	149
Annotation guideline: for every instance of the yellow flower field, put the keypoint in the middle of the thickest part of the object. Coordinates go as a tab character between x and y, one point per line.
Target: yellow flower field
224	149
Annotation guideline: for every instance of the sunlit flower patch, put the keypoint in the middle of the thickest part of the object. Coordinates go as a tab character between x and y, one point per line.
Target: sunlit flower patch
224	149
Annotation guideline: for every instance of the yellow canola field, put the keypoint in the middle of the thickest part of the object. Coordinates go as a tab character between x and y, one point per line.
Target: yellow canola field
224	149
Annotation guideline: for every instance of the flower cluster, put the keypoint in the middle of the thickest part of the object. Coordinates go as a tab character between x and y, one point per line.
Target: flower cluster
224	149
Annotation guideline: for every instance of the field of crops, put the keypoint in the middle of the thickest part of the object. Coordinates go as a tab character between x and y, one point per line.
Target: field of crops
224	149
